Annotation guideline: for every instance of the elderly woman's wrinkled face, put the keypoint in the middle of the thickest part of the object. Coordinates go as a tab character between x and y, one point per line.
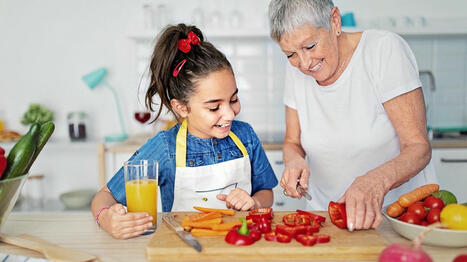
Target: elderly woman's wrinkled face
314	51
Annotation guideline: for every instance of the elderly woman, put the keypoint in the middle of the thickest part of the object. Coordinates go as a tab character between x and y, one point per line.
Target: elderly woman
355	114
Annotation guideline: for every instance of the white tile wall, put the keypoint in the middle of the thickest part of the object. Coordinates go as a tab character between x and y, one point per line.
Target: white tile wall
446	57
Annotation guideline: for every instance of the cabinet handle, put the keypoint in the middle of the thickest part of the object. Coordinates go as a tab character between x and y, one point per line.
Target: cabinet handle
279	204
447	160
279	162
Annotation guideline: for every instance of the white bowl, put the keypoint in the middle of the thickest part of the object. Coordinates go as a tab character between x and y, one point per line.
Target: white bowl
78	198
436	237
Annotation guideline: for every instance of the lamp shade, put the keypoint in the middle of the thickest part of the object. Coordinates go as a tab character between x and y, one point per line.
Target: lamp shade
94	78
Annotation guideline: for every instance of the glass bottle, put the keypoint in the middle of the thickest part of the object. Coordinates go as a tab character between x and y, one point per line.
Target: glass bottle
77	122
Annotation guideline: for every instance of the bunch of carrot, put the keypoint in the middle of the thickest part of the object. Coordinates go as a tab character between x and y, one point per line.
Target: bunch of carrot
404	201
209	222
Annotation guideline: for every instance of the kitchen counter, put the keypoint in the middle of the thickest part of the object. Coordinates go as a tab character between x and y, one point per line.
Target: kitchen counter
79	231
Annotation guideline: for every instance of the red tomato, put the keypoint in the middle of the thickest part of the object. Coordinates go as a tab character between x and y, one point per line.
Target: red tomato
410	218
337	214
424	223
433	215
433	202
306	240
418	209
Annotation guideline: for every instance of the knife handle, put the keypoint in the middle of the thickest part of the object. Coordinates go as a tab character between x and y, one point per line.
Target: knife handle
172	223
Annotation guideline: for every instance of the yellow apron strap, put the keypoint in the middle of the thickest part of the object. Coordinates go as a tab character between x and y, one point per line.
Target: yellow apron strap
180	148
238	143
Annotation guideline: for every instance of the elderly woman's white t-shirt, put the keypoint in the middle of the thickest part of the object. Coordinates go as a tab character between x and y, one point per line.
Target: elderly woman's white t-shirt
345	130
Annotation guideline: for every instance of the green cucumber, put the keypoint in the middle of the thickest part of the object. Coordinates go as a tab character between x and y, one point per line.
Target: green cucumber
46	131
22	153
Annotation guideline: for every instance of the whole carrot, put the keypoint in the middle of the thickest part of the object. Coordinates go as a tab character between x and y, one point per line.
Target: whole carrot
417	194
395	209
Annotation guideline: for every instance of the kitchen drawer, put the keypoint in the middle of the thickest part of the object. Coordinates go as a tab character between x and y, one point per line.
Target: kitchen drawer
451	170
282	202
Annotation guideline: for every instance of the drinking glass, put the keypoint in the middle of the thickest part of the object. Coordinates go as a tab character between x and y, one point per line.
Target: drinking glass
141	188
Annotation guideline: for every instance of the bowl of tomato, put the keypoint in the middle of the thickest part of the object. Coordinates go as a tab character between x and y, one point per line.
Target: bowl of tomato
408	226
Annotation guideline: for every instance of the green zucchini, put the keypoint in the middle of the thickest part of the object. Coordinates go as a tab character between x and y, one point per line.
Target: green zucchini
46	131
22	153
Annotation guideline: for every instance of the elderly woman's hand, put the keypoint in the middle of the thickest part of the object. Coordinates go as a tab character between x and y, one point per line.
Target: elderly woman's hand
295	170
363	202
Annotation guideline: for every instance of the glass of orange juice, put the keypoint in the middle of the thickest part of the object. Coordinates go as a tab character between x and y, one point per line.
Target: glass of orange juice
141	187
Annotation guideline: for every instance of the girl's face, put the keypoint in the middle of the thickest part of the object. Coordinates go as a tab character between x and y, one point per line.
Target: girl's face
213	106
313	51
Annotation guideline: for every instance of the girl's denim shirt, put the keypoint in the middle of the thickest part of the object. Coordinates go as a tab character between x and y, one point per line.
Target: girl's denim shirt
200	152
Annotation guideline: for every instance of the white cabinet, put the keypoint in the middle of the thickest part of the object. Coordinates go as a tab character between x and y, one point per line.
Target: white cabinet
282	202
451	170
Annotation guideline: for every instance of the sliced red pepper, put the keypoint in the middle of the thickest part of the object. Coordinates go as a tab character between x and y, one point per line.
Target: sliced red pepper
271	236
337	214
295	219
257	214
311	229
281	238
323	238
313	216
306	240
286	230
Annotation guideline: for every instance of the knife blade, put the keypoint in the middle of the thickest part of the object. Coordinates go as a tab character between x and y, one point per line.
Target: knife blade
303	192
185	236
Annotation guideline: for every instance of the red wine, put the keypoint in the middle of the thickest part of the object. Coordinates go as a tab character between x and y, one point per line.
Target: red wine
142	117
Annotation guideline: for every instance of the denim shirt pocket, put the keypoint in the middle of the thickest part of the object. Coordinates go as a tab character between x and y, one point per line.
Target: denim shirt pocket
194	161
235	153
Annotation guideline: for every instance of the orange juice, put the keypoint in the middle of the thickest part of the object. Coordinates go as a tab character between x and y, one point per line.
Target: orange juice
141	196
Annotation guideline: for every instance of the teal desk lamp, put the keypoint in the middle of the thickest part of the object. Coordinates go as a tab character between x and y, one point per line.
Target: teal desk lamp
95	78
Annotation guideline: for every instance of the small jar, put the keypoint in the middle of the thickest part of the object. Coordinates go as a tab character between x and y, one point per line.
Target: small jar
77	122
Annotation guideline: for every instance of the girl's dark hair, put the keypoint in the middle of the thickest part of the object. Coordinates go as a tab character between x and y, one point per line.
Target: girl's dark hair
201	60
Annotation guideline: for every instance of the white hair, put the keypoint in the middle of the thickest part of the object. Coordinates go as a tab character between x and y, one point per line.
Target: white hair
286	15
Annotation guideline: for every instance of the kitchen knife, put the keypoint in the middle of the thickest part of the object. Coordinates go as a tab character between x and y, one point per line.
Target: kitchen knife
186	236
303	192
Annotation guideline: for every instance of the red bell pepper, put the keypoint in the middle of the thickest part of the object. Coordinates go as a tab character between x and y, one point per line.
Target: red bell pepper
278	237
286	230
295	219
257	214
323	238
306	240
313	216
337	214
264	225
241	235
2	161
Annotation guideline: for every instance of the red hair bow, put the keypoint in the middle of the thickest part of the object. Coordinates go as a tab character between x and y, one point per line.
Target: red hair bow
184	45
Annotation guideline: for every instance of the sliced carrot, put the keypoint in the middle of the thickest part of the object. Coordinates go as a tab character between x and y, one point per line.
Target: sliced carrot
228	212
199	232
204	216
395	209
228	226
201	224
417	194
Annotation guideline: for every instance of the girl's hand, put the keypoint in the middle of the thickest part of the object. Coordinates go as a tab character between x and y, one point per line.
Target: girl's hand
363	202
238	199
122	225
295	170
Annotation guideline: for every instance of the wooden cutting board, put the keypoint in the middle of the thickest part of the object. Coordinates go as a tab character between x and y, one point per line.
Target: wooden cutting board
165	245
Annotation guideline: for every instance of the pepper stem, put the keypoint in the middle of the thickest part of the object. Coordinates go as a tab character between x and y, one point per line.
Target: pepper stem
243	230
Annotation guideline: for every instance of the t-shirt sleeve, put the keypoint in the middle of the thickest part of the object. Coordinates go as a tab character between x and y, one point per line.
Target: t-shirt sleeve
289	94
262	174
396	68
155	148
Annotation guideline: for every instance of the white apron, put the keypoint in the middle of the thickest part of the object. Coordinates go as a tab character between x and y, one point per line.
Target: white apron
199	186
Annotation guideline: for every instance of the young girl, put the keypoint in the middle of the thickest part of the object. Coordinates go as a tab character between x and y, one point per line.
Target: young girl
206	160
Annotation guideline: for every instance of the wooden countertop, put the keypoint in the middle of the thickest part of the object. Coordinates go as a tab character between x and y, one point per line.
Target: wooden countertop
78	230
